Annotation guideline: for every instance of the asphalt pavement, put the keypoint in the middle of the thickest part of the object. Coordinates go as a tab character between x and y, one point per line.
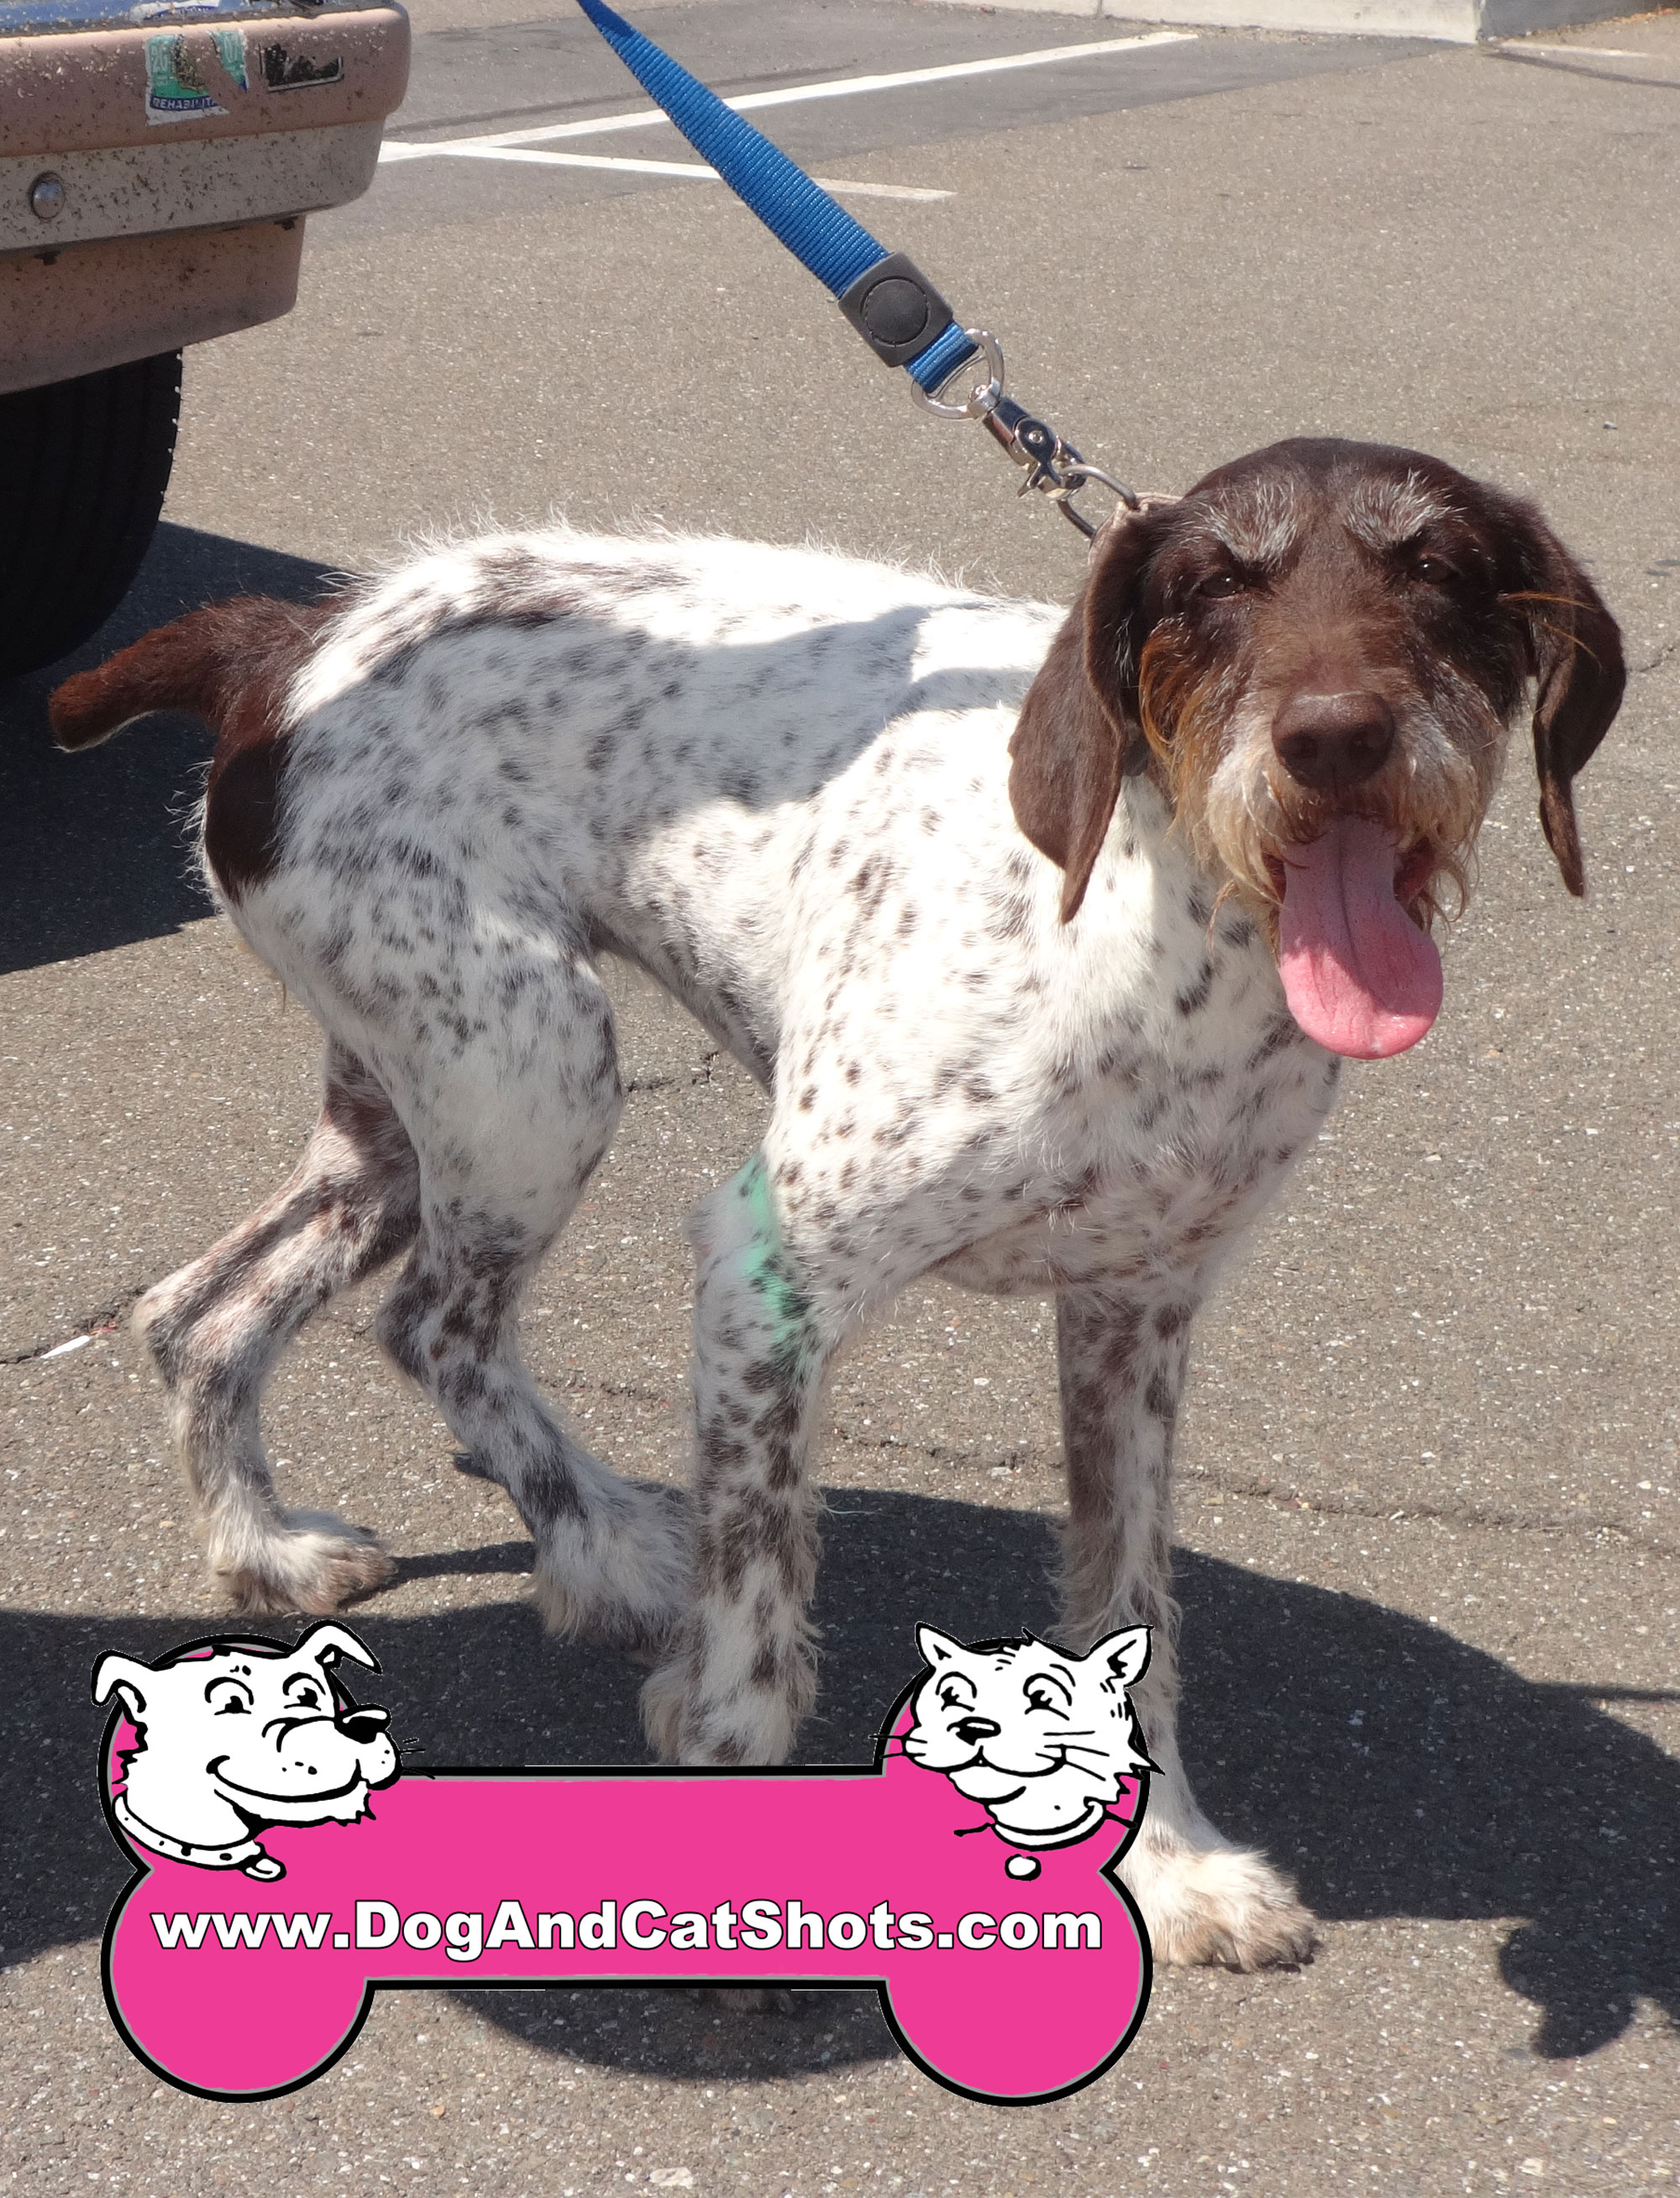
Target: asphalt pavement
1430	1470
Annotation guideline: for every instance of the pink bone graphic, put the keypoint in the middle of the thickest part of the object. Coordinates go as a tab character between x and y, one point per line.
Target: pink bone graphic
621	1854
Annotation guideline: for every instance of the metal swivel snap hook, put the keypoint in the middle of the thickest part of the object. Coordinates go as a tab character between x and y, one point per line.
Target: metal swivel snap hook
1052	466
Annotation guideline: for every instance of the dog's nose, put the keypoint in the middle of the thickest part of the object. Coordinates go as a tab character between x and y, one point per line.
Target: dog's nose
365	1725
974	1729
1332	743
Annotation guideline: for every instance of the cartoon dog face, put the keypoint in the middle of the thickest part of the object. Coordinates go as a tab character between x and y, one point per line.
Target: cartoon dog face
238	1735
1040	1738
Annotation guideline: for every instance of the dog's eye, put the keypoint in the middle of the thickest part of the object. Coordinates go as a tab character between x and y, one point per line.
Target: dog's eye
1428	565
1219	584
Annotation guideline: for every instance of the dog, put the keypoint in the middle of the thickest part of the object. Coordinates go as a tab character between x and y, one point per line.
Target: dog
1045	932
237	1736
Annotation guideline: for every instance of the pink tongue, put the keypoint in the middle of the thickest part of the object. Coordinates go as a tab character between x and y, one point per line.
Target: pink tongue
1360	977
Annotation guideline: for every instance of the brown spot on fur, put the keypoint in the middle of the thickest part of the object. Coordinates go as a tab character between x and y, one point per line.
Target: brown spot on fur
1070	741
232	665
1579	677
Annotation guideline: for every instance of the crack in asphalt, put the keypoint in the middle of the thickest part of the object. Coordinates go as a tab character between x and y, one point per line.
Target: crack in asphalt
1282	1496
1287	1496
104	1320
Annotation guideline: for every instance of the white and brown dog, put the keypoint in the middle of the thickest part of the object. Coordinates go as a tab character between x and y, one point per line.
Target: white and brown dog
1044	933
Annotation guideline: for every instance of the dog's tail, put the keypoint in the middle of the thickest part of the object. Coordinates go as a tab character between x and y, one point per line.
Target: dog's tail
218	664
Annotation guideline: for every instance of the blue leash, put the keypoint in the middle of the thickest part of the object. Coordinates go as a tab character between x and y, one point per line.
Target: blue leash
886	297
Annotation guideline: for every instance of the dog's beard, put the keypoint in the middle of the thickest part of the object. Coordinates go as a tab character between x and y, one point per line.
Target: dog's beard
1242	813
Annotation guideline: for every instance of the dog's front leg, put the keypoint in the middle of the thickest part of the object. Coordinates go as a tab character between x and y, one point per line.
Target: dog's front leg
742	1674
1121	1354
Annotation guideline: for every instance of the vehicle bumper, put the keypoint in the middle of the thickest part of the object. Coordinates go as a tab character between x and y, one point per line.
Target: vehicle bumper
176	166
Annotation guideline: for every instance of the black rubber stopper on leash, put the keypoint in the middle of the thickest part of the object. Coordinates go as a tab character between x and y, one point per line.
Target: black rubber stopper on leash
896	309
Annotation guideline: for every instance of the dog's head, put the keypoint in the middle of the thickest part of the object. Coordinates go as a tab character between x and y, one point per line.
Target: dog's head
267	1730
1318	654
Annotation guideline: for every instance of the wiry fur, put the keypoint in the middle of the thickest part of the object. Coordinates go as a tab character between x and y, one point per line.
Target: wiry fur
945	874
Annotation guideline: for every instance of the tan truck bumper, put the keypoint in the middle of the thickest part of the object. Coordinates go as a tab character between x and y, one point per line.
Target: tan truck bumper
153	181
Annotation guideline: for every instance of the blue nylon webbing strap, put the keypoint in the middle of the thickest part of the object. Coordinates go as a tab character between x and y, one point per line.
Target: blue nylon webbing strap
819	233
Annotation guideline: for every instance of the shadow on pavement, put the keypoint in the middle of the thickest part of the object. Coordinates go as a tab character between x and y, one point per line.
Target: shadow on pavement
1464	1791
95	848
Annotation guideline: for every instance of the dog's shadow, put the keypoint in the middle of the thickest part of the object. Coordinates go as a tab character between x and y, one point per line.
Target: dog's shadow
1394	1770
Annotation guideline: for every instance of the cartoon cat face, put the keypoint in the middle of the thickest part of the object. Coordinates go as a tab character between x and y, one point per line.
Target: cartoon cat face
1040	1738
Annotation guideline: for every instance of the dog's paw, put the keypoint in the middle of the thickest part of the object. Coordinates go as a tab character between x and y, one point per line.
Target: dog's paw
663	1697
622	1578
312	1566
1220	1905
737	1725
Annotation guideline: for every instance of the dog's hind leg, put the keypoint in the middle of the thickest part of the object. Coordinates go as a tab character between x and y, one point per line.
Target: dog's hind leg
1121	1353
215	1329
510	1123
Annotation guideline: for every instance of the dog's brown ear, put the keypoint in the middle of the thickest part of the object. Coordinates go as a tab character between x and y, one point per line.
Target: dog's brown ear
1576	656
1081	712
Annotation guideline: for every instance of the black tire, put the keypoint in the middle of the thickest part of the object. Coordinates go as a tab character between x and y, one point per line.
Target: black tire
84	466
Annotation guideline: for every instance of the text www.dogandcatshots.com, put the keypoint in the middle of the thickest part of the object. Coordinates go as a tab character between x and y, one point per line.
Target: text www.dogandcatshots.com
643	1925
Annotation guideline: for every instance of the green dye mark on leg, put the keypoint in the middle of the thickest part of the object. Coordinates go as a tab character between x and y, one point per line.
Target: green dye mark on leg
788	1307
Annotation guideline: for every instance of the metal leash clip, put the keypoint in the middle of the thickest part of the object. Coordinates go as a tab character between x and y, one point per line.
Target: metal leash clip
1055	469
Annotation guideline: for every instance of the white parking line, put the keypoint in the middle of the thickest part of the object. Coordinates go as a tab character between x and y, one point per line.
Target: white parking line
466	151
647	117
1591	53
